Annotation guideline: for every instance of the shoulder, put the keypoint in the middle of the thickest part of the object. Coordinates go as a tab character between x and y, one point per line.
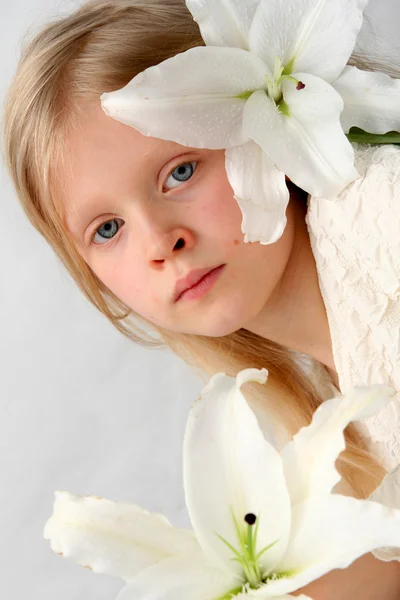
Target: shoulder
379	170
378	184
367	210
382	160
356	245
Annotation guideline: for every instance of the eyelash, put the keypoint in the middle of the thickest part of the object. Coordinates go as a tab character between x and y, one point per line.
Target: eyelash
97	231
193	164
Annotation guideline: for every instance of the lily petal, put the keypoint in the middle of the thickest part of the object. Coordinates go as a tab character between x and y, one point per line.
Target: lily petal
312	36
318	545
371	101
224	454
309	459
260	190
115	538
181	578
309	145
224	23
193	99
263	592
388	493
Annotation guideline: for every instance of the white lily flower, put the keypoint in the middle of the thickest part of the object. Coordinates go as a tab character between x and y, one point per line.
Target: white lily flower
265	523
270	88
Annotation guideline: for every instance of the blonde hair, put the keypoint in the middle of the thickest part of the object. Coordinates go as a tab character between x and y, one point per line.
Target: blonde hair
99	48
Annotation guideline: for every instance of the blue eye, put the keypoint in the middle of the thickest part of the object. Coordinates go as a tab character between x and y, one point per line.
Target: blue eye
107	230
181	174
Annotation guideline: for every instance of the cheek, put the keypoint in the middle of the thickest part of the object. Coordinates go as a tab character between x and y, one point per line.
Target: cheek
136	294
221	212
126	282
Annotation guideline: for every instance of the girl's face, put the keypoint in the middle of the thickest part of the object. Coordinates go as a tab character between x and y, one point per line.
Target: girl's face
144	213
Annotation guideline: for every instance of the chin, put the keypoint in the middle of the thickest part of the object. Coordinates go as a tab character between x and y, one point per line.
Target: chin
222	323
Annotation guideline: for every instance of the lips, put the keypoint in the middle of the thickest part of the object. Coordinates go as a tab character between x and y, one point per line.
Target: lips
190	280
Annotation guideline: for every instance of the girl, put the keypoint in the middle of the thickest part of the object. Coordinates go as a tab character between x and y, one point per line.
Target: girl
138	221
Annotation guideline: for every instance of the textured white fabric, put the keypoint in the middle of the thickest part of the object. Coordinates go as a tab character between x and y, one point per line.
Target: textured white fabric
355	239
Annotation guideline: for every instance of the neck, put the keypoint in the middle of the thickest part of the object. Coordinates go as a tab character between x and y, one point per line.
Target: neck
295	314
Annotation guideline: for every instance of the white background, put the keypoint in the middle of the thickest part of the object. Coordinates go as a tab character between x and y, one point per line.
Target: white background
82	408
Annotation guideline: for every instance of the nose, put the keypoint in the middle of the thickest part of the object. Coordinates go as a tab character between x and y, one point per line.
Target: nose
164	245
163	235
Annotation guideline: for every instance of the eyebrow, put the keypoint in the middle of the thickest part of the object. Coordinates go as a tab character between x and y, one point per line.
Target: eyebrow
78	219
75	221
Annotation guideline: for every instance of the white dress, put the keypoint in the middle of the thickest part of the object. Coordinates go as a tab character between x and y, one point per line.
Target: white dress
355	238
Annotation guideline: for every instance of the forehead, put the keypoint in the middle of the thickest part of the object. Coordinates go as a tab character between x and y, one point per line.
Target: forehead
103	158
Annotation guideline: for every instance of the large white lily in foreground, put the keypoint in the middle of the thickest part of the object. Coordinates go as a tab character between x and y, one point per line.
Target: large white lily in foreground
265	523
272	88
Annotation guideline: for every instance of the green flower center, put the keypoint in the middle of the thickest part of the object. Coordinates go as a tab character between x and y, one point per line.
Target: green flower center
273	87
247	555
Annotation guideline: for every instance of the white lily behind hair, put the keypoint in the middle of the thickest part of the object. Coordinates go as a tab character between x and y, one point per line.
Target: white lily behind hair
273	89
266	523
